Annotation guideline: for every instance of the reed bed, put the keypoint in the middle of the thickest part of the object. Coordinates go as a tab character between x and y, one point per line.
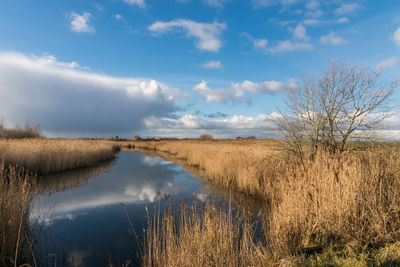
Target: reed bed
201	234
238	165
348	202
45	156
18	190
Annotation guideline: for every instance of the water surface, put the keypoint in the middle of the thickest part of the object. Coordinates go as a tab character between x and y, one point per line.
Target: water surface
86	224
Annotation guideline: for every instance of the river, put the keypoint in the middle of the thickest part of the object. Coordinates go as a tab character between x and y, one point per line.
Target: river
82	214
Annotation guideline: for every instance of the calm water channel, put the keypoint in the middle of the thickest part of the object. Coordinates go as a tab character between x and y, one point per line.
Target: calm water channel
81	212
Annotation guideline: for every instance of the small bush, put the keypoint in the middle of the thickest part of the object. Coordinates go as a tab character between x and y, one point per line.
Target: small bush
20	133
206	137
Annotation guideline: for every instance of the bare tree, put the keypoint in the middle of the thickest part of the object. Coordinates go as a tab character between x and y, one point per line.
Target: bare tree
345	101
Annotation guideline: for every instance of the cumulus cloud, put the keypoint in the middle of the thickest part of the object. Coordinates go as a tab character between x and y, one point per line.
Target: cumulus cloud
313	22
139	3
298	44
342	20
312	5
68	100
207	35
347	8
300	32
387	63
237	91
219	95
212	64
258	44
267	3
396	36
332	39
289	46
215	3
193	126
118	16
81	23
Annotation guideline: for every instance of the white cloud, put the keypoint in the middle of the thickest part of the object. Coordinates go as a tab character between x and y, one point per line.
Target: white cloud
300	32
206	34
81	23
212	64
192	126
68	100
342	20
267	3
221	95
289	46
312	22
118	16
258	44
215	3
387	63
332	39
347	8
237	91
396	36
312	5
139	3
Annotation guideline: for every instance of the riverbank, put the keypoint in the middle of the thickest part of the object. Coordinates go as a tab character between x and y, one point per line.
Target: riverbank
357	190
45	156
20	161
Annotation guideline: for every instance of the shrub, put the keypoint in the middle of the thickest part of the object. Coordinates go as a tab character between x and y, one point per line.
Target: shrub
206	137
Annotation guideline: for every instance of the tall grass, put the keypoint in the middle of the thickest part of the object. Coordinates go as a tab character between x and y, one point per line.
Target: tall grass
17	192
349	201
201	235
45	156
243	165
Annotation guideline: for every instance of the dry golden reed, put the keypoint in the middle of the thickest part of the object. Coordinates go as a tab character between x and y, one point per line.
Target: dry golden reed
18	190
349	200
233	164
46	156
201	234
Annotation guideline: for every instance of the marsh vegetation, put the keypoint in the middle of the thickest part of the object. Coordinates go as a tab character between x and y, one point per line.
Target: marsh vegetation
45	156
358	190
21	160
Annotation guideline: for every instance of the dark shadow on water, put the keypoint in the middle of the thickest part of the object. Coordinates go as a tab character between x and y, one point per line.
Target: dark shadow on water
53	183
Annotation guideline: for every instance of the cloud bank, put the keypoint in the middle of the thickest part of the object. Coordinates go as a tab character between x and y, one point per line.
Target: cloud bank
237	91
192	126
68	100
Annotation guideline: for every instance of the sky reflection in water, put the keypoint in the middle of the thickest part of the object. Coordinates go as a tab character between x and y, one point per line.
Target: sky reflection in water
86	222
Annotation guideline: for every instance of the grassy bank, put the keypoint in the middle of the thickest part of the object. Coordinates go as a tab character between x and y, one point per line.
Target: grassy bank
45	156
347	204
20	161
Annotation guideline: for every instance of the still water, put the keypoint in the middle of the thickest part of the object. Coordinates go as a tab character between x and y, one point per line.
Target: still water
82	216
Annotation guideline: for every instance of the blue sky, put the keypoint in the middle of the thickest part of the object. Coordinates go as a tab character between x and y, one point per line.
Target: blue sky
177	67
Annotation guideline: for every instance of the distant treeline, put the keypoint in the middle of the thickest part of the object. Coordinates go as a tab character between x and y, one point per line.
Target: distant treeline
18	132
